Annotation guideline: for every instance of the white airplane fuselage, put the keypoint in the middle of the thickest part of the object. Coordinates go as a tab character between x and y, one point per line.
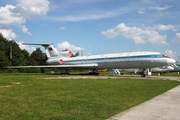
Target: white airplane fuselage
117	60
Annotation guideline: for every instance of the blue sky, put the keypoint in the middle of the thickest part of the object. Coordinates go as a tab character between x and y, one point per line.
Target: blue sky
94	26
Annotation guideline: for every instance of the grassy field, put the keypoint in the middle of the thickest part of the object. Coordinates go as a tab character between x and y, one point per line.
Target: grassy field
31	97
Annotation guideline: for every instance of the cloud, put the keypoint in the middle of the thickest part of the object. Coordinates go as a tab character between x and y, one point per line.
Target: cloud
25	30
161	27
170	53
32	8
88	16
176	39
26	47
141	11
7	33
139	35
11	15
66	45
8	17
62	28
160	8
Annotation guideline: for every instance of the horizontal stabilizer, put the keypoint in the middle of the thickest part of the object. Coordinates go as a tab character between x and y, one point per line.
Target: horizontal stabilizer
43	44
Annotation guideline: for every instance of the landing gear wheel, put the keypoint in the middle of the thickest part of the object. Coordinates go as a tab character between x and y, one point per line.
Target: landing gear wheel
65	72
93	72
143	75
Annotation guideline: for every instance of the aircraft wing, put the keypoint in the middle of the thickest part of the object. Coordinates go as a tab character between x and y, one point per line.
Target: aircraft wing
58	66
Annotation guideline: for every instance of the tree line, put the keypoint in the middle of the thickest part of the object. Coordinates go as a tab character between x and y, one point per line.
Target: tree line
12	55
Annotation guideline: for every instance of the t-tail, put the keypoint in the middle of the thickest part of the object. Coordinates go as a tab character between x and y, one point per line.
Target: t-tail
51	50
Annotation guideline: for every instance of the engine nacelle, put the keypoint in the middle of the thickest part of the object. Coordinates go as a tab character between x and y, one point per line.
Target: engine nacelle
55	61
65	54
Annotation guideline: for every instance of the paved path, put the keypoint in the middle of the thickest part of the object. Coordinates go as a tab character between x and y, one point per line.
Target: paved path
163	107
119	77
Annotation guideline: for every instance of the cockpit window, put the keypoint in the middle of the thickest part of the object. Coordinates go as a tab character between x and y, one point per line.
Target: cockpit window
162	55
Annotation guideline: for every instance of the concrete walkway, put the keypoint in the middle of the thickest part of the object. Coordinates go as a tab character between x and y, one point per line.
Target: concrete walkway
163	107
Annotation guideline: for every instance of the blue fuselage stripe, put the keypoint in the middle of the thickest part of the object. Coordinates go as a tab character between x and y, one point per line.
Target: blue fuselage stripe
113	58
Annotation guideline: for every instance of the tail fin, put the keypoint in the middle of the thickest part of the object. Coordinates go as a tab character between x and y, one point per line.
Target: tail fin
51	50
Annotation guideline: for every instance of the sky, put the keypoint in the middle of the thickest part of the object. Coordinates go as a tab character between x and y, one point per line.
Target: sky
94	26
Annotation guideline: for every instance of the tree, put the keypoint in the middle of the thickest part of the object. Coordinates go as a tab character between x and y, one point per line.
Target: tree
38	57
65	50
15	54
76	54
26	57
11	54
3	60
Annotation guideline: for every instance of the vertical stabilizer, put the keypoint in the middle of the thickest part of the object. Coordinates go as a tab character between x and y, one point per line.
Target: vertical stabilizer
49	48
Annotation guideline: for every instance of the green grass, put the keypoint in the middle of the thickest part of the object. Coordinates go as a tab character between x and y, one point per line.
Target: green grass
30	97
174	74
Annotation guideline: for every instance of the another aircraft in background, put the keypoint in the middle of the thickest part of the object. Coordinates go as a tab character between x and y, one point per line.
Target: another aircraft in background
176	68
125	60
103	70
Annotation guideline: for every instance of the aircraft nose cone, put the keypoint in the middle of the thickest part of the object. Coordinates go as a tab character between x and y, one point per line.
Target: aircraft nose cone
171	61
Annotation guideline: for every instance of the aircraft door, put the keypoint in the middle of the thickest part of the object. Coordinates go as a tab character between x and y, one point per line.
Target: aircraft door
127	58
84	60
108	63
105	61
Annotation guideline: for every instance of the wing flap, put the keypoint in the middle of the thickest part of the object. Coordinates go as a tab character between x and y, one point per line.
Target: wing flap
58	66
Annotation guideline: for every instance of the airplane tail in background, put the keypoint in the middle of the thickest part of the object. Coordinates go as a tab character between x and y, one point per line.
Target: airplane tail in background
51	50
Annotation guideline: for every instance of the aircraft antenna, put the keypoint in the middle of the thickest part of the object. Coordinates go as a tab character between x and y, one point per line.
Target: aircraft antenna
82	53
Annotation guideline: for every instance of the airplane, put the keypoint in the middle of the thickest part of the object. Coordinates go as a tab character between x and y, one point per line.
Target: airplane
176	68
153	70
140	59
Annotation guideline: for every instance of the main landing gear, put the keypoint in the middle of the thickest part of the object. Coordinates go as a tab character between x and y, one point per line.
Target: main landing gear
146	72
143	75
65	72
93	72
